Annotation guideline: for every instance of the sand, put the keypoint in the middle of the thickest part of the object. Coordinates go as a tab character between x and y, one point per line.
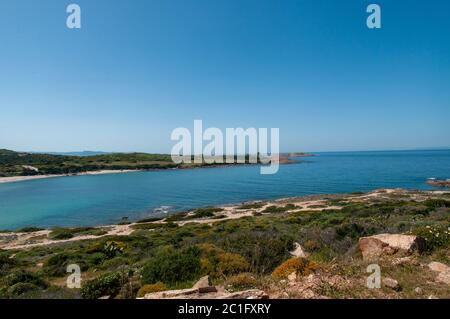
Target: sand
14	179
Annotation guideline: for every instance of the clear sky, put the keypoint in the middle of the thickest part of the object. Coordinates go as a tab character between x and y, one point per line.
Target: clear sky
138	69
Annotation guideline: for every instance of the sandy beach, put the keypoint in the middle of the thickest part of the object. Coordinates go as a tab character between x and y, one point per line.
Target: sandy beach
15	179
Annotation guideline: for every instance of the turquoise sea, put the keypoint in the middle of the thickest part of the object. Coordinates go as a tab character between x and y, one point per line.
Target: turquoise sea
105	199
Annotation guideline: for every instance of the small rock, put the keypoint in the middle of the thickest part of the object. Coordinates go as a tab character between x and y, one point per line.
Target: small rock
391	283
246	294
418	290
292	277
298	251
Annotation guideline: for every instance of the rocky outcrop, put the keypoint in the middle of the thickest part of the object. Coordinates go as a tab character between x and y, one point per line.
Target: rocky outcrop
204	290
439	183
376	246
218	293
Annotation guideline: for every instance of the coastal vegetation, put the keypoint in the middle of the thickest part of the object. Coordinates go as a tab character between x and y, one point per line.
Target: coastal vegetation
239	252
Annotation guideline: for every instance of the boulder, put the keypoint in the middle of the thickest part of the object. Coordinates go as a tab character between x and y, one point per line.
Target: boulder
388	244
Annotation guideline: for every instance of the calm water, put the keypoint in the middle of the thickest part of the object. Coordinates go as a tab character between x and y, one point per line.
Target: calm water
104	199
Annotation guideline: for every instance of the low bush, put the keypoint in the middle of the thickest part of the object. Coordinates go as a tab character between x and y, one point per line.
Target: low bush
206	212
300	266
105	285
21	288
150	226
241	281
172	266
22	276
352	230
436	203
67	233
56	265
262	249
215	262
435	236
112	248
176	217
278	209
251	205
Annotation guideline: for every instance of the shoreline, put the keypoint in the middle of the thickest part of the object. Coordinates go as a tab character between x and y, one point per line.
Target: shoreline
283	160
318	203
16	179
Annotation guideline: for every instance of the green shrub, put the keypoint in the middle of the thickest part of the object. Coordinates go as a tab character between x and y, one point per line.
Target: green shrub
112	248
176	217
279	209
218	263
105	285
22	276
206	212
172	266
56	265
436	203
21	288
6	263
154	226
256	205
148	289
262	249
352	230
435	236
67	233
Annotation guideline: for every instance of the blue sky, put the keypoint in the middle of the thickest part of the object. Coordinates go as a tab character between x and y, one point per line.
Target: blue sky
138	69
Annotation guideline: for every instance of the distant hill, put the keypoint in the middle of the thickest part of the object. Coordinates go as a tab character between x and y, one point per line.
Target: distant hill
19	163
83	153
26	163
